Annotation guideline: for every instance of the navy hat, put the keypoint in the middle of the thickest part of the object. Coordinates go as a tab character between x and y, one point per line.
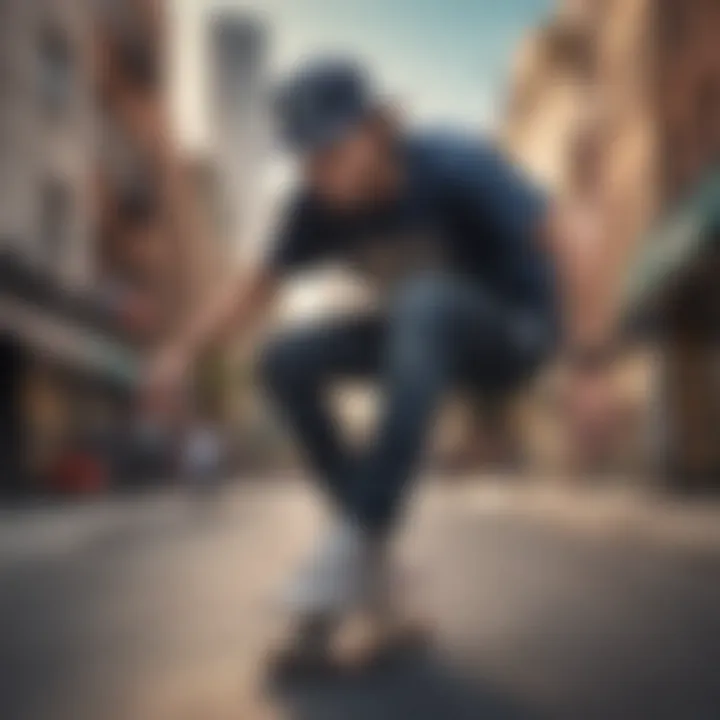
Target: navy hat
321	102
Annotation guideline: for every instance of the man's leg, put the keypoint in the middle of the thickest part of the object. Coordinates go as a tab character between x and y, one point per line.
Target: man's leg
438	328
297	369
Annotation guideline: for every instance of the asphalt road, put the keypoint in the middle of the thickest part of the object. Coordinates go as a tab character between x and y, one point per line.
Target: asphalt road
545	604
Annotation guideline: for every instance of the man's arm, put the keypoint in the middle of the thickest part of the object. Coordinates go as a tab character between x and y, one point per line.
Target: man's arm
233	309
575	242
248	296
497	190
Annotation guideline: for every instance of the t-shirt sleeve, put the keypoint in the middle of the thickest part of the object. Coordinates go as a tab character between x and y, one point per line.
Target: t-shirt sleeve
296	240
506	209
491	186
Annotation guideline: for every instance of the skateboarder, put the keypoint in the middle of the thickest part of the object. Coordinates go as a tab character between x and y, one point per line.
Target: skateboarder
467	257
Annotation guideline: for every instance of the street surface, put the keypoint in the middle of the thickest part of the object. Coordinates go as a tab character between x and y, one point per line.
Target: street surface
546	604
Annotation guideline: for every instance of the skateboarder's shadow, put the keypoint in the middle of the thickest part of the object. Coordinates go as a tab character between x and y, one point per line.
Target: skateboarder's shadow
418	687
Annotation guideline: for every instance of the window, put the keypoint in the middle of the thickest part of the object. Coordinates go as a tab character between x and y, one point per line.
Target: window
130	172
139	197
140	57
674	22
55	73
55	222
707	113
572	50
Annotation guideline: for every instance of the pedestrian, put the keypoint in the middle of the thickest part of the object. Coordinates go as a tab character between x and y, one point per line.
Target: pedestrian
469	260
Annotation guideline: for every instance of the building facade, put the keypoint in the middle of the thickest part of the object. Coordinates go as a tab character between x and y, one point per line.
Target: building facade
63	356
92	260
142	248
687	151
649	71
237	49
46	126
551	83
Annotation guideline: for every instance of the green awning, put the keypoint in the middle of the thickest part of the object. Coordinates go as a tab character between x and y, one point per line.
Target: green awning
69	342
672	246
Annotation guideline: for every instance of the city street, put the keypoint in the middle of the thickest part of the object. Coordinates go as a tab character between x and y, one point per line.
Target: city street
546	603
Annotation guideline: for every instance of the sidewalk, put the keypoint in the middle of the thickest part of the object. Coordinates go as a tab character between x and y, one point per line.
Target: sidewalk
546	603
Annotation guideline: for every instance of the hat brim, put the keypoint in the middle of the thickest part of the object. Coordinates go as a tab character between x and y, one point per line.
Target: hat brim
320	136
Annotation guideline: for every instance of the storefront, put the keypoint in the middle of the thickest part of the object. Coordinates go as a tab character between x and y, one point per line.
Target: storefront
66	381
673	297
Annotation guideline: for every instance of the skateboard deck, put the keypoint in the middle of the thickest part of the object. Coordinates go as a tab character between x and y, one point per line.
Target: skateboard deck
353	646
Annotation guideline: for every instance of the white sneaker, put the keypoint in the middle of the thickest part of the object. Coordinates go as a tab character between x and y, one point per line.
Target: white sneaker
345	573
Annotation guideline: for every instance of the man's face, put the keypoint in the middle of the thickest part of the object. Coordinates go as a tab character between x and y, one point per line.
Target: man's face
345	174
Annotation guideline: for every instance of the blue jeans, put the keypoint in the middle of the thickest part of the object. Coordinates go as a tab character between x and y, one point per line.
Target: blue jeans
439	331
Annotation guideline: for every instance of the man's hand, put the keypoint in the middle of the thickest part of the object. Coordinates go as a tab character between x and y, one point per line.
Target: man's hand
236	305
165	382
590	402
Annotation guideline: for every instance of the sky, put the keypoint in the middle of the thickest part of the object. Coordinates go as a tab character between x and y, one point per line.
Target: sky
444	60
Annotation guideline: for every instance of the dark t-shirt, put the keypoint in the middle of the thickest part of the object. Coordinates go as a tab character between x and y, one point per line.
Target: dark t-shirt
464	209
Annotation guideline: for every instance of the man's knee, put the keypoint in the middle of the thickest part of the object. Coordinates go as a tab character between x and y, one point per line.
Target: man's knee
427	304
283	365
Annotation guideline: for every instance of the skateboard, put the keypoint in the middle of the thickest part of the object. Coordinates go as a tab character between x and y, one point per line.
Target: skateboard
325	647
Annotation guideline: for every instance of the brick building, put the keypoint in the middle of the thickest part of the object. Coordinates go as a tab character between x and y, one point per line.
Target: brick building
650	70
142	238
236	63
551	83
62	356
95	253
47	118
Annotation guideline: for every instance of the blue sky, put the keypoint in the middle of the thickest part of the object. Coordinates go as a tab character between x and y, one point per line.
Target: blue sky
445	59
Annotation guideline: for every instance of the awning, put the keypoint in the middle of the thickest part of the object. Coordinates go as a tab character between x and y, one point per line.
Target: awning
68	342
674	245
